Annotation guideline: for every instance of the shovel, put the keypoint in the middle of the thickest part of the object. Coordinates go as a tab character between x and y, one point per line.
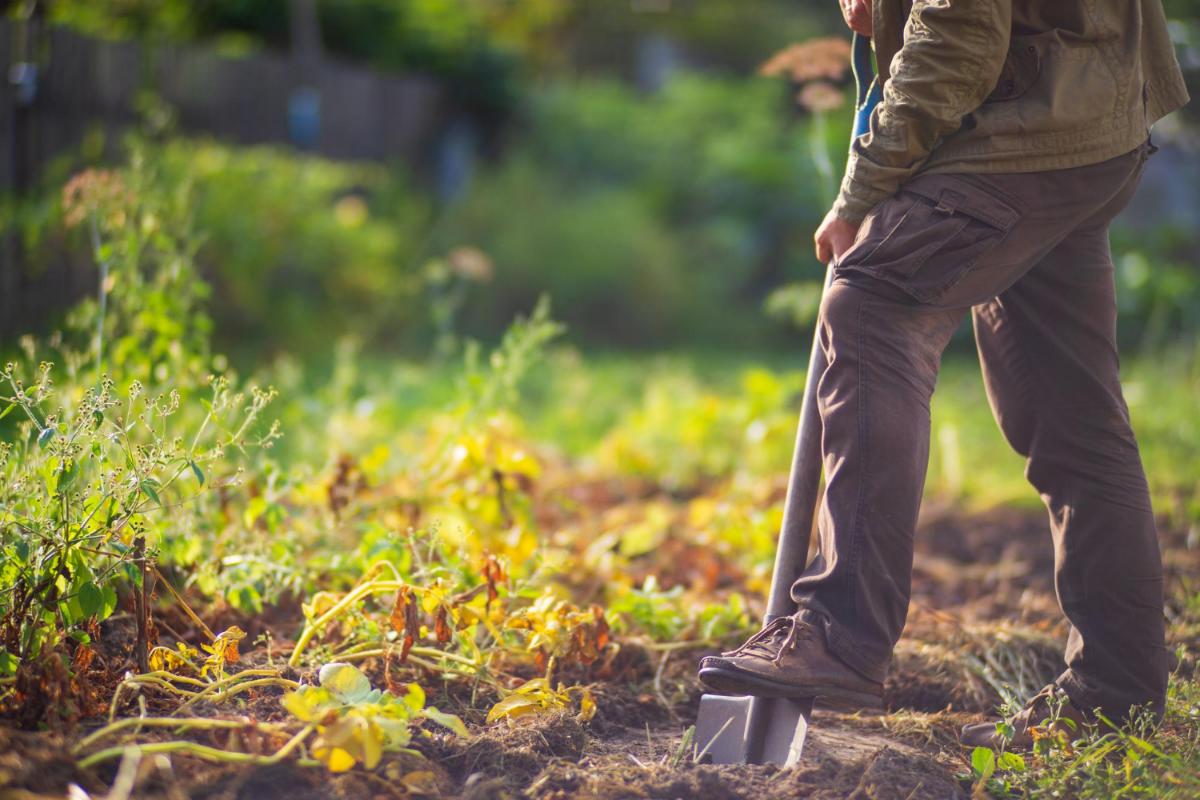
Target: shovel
764	730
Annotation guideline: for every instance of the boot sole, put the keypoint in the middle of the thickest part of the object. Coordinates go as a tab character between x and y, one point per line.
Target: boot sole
729	681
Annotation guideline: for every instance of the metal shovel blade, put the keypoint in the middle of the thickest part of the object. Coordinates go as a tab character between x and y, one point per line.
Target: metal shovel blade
751	730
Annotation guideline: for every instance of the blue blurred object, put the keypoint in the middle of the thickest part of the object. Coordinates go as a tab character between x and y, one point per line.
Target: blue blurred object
869	92
23	76
304	117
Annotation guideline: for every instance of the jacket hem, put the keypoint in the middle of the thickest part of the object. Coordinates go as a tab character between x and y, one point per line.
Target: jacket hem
1010	154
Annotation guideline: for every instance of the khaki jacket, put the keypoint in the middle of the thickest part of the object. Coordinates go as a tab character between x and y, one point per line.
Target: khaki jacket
1009	86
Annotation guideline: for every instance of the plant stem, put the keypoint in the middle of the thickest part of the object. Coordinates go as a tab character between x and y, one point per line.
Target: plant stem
164	722
186	608
217	695
151	679
102	296
356	594
205	752
430	652
141	612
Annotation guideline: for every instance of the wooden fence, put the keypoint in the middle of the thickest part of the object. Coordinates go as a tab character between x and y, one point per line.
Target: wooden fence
85	83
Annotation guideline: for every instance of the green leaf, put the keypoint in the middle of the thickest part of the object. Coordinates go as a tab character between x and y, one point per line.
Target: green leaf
67	475
246	599
1012	762
71	611
8	410
1143	745
8	662
150	489
91	599
983	762
199	473
346	681
108	602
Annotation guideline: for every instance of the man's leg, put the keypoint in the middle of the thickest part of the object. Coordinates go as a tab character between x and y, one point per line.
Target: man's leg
1048	349
884	323
884	351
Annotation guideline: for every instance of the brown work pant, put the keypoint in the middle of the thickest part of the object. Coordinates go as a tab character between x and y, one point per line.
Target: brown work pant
1028	255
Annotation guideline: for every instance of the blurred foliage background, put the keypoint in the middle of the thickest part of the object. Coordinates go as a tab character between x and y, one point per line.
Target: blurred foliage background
655	167
628	158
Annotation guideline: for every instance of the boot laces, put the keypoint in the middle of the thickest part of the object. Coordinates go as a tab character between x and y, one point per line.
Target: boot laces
1046	694
773	641
1042	702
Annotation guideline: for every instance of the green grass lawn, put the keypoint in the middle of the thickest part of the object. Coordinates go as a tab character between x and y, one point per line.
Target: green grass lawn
579	400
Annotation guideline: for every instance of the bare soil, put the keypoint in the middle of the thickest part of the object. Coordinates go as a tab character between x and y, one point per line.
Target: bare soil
982	590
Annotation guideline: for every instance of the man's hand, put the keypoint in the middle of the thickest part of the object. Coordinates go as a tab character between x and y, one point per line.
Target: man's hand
858	15
834	237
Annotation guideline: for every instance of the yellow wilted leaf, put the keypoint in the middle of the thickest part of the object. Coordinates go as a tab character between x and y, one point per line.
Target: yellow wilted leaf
354	737
536	696
414	697
319	604
513	706
587	706
168	660
335	758
223	650
371	739
449	721
227	640
559	628
309	703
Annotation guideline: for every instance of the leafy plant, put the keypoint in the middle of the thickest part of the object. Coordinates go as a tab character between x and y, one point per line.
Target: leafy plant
221	651
137	427
987	766
83	488
356	723
559	630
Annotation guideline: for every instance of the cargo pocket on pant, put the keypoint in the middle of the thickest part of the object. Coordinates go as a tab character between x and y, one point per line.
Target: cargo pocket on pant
930	235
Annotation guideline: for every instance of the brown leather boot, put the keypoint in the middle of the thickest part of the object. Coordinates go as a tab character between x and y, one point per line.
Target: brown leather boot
1038	715
789	658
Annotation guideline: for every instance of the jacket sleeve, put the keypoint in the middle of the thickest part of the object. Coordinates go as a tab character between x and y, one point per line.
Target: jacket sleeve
952	56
